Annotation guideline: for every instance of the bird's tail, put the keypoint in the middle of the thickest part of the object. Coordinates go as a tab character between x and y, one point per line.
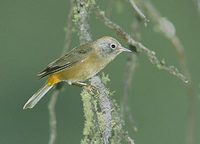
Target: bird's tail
37	96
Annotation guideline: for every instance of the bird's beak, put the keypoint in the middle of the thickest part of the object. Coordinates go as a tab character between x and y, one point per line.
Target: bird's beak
121	48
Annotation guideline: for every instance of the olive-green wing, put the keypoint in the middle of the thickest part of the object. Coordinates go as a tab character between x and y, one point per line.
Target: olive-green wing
74	56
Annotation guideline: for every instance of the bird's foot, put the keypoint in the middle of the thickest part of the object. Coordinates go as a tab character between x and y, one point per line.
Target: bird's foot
88	87
92	89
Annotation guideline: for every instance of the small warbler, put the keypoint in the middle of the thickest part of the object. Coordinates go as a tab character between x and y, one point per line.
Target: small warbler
78	65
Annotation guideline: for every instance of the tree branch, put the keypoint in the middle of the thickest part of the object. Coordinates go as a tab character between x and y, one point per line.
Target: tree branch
129	72
166	27
52	116
151	54
138	11
105	107
82	12
85	36
68	29
53	100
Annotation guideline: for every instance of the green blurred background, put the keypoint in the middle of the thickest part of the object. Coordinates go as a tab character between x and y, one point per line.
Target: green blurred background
32	35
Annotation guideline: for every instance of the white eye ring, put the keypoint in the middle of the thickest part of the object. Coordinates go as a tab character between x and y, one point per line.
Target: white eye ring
113	46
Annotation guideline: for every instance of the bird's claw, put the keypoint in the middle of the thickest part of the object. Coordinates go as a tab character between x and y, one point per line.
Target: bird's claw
92	89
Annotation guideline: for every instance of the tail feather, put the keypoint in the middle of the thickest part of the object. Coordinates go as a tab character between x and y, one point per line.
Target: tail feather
37	96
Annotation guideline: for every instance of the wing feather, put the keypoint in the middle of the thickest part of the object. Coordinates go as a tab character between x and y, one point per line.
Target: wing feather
74	56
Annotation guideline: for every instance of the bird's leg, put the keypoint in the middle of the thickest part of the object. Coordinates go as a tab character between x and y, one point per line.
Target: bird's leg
80	84
91	88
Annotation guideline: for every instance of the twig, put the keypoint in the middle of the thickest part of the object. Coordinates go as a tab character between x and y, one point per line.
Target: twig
52	117
138	11
129	73
53	100
151	54
128	76
68	29
167	28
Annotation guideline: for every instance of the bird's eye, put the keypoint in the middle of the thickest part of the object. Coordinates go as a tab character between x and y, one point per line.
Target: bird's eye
113	46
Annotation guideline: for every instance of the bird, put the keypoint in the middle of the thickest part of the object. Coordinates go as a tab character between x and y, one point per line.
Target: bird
78	65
